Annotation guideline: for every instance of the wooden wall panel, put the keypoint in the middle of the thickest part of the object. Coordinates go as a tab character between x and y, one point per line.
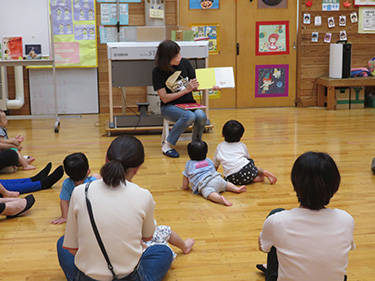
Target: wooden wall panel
313	58
133	94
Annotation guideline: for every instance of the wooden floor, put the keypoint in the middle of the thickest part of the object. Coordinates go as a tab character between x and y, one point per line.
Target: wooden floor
226	237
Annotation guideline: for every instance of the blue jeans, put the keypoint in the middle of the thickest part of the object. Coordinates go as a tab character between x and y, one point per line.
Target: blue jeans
153	265
183	119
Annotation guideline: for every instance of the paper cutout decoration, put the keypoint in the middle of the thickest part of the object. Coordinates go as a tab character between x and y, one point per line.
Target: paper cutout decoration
346	4
308	3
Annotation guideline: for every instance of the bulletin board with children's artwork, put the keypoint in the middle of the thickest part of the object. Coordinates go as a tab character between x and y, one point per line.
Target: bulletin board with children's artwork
271	80
272	38
207	32
74	32
325	22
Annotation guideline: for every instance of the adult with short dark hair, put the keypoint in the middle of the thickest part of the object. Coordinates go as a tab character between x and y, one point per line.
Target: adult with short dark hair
174	79
310	242
124	215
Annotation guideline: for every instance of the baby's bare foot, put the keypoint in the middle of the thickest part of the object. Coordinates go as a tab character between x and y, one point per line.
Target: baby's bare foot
226	202
241	189
189	243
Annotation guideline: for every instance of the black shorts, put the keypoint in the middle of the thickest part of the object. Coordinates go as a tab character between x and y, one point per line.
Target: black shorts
245	176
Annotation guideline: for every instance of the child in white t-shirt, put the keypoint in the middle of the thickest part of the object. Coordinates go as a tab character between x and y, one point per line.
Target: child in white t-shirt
233	155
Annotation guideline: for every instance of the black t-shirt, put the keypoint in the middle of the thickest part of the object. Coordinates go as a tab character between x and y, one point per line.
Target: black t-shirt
179	81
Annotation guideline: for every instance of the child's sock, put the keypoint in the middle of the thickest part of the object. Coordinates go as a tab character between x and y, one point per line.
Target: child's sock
52	178
42	174
166	146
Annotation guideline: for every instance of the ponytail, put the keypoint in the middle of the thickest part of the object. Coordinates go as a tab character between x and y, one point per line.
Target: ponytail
124	152
113	173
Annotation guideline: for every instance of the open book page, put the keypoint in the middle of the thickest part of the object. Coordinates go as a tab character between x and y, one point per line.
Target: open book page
219	76
206	78
224	77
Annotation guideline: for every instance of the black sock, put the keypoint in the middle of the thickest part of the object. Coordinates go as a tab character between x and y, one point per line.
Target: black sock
42	174
30	200
52	178
2	207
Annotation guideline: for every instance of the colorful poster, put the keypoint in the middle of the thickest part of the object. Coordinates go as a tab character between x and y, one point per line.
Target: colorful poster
62	20
272	38
84	10
67	53
84	32
209	33
265	4
108	14
74	30
121	1
204	4
271	80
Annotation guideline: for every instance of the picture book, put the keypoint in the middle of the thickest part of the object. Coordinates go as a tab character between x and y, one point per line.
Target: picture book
188	106
12	48
33	51
222	77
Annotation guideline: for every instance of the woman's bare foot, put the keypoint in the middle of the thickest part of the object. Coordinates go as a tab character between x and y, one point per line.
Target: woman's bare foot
271	177
189	243
29	167
11	193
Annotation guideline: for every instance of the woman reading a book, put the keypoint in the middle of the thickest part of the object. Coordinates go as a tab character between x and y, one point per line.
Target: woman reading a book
174	79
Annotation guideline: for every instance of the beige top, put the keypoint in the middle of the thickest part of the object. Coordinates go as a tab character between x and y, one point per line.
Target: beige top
123	216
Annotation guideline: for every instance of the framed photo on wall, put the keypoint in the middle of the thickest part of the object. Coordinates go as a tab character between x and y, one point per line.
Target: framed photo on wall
272	38
271	80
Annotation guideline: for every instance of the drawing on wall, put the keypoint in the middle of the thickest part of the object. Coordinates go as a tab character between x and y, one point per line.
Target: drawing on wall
264	4
271	80
209	33
204	4
272	38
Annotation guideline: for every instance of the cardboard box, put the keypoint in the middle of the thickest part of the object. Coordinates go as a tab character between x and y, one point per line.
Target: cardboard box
357	97
150	33
342	96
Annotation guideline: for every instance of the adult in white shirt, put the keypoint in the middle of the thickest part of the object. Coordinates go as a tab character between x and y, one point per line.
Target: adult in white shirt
311	242
124	215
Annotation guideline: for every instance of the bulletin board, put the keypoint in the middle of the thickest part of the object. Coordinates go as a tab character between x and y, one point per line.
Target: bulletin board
28	19
74	32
